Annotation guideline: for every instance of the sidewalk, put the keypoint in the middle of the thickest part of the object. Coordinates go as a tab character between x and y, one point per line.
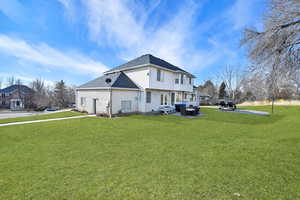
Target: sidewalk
45	120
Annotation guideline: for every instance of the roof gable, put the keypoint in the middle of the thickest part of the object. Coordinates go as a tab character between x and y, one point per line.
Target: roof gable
144	60
118	80
9	89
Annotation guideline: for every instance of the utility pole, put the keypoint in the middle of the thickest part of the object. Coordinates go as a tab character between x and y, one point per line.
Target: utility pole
108	82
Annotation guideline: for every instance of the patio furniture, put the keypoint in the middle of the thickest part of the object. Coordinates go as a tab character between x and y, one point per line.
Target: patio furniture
165	109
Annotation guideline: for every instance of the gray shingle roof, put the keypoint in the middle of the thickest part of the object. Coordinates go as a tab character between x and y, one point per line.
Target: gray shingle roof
22	88
147	59
118	80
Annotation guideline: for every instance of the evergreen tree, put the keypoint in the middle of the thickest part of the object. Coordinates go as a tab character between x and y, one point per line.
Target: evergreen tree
222	91
60	94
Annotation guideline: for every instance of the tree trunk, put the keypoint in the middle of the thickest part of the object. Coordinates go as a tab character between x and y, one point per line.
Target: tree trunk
273	99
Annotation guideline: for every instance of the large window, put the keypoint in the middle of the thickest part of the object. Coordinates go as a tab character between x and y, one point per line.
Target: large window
148	97
177	81
190	80
161	99
181	78
126	106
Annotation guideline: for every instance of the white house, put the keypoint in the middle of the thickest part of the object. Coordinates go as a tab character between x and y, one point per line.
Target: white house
140	85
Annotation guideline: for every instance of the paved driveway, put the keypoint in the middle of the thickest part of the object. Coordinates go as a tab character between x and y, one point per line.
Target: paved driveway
13	114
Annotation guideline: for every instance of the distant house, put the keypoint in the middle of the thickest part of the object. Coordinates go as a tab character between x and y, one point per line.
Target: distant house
140	85
14	97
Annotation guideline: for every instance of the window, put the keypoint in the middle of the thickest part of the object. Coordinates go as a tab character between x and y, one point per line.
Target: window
18	103
158	75
190	80
148	97
126	106
176	81
3	95
185	96
82	101
166	99
181	78
192	97
161	99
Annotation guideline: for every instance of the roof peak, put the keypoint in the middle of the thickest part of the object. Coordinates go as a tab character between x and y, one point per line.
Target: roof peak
146	59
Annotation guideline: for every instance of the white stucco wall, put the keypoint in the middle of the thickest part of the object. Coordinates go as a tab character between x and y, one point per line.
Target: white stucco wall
139	76
125	95
168	81
103	97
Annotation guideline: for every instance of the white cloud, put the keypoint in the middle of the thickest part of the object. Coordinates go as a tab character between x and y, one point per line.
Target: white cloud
122	24
70	8
24	79
43	54
241	13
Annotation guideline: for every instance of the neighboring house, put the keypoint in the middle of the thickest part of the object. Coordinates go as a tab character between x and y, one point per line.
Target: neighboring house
140	85
14	97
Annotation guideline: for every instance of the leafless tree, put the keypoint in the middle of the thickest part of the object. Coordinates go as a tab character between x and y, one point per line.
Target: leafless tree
11	81
40	97
272	48
232	77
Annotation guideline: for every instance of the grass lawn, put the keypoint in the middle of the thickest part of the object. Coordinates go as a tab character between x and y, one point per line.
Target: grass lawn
42	116
154	157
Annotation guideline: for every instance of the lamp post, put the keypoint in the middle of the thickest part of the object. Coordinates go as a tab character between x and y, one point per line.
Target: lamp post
108	82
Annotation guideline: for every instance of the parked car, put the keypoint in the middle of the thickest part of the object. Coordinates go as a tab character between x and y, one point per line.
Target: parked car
51	109
227	106
41	108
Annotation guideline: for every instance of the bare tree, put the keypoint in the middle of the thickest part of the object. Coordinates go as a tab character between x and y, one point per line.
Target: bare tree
11	81
272	48
40	97
232	78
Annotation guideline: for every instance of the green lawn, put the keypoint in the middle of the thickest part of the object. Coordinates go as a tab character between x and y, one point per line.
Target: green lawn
154	157
39	117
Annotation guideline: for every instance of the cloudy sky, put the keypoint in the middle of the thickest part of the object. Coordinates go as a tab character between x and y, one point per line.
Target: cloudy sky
76	40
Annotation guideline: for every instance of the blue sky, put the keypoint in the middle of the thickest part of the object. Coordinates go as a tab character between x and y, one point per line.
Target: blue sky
76	40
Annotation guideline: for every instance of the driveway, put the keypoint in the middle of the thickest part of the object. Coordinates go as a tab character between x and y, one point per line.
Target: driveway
13	114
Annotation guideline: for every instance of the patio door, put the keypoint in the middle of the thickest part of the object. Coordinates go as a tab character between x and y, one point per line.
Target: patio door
172	99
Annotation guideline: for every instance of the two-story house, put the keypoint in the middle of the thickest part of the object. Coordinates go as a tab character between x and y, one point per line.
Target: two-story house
14	97
140	85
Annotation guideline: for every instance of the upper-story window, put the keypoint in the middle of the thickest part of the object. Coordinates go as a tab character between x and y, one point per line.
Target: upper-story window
177	81
190	80
3	95
158	75
181	78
